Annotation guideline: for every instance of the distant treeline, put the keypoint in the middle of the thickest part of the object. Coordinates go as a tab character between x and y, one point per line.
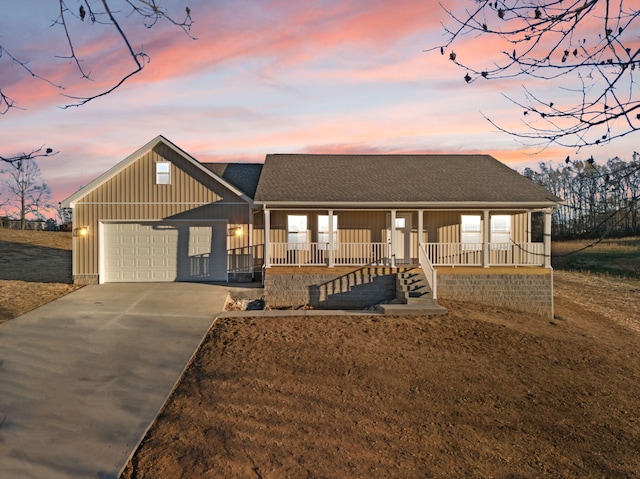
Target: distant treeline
599	199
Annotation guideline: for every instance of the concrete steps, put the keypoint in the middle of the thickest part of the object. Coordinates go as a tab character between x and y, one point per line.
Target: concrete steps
414	292
412	286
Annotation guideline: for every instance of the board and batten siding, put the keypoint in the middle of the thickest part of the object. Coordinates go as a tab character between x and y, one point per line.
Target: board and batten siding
372	226
353	226
444	226
133	195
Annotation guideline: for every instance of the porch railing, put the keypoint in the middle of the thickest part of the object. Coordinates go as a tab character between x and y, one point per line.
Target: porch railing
500	254
428	270
319	254
439	254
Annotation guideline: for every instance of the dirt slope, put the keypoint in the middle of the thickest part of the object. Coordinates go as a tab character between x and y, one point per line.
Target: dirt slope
35	268
480	393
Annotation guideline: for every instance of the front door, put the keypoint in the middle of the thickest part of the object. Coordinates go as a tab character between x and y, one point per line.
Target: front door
402	240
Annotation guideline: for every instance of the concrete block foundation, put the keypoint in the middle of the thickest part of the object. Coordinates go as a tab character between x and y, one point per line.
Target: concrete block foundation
522	289
329	288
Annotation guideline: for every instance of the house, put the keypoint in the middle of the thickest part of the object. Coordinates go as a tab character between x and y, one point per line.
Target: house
343	231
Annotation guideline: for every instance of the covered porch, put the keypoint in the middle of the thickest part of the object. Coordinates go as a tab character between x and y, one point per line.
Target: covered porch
403	237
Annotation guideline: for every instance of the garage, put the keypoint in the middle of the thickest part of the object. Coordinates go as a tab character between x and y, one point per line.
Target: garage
164	251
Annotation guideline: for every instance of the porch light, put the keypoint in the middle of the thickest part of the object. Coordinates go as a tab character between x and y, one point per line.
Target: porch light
82	231
235	230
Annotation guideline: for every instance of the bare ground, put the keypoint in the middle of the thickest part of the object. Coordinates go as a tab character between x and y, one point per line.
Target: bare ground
35	268
480	393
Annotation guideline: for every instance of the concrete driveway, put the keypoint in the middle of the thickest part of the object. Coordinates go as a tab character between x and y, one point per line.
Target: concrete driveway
83	377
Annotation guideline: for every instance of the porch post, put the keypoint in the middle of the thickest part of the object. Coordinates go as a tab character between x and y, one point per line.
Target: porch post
393	238
420	228
267	238
250	233
486	228
547	238
331	245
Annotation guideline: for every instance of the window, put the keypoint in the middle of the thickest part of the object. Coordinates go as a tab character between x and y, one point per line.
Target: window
323	232
401	223
163	173
470	231
296	232
500	230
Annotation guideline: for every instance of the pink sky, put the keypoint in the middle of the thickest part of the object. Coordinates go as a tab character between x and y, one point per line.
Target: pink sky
262	77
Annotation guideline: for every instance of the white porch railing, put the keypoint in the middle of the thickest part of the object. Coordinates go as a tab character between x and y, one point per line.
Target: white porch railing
439	254
320	254
500	254
428	270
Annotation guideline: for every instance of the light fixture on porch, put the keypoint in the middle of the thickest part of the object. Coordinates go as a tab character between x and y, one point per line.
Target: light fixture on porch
82	231
235	230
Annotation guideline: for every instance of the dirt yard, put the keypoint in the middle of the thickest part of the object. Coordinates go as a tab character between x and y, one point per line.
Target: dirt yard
35	268
480	393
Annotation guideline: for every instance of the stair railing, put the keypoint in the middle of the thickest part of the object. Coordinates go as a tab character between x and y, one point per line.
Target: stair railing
428	270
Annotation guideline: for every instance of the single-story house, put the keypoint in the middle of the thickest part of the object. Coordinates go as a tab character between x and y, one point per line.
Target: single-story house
324	230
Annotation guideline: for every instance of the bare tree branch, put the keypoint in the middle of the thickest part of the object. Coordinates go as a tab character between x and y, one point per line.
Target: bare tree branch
592	43
41	152
100	13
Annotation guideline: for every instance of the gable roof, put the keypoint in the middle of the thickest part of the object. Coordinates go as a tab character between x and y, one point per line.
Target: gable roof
69	202
243	176
428	180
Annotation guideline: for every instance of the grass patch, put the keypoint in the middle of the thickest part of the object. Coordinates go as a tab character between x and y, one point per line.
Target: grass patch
613	257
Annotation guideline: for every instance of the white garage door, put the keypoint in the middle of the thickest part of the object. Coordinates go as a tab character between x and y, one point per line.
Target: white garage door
165	251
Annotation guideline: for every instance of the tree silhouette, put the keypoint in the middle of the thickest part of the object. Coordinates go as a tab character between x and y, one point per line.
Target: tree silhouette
589	48
28	194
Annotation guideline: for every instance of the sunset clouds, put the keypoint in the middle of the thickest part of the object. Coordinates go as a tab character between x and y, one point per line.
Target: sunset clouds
262	77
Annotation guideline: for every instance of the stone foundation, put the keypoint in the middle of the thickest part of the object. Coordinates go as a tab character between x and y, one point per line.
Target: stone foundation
329	288
85	279
522	289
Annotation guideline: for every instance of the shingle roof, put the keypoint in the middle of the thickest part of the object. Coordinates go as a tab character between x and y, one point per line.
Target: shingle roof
310	178
243	176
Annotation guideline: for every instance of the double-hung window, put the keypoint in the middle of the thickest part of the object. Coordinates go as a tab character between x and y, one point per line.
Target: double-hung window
163	173
470	232
296	232
500	231
323	232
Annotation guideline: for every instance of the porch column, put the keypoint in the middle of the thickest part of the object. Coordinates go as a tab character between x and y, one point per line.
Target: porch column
547	238
486	228
420	228
393	238
331	244
267	238
250	233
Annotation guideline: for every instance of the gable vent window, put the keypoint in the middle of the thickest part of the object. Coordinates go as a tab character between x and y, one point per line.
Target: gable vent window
163	173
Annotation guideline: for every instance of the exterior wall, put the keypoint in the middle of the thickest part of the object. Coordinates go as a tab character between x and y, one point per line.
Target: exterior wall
132	194
372	227
353	226
522	289
444	226
329	288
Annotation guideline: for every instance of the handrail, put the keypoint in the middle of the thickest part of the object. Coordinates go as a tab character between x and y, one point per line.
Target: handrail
428	270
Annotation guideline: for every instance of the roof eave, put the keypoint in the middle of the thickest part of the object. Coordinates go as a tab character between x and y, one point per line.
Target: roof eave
410	205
